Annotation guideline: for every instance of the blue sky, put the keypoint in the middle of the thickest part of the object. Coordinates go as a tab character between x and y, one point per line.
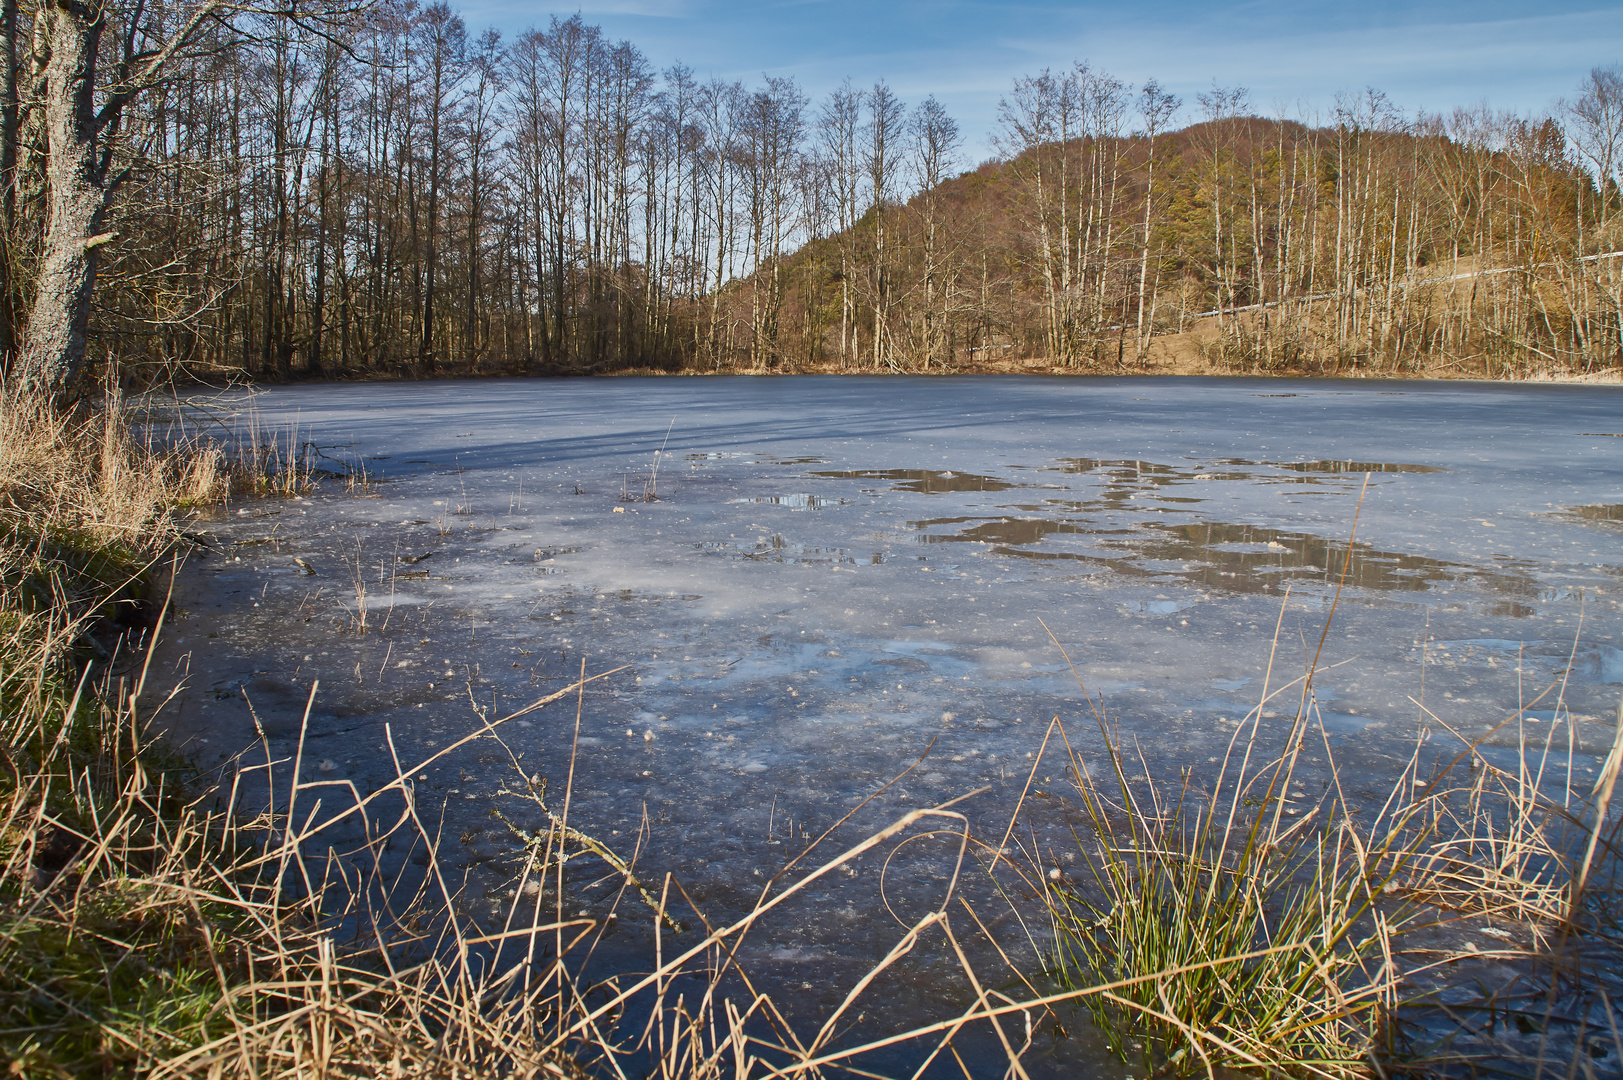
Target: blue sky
1428	54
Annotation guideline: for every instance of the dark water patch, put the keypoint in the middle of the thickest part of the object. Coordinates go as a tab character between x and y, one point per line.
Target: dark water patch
1602	514
1018	531
1233	557
927	481
1353	467
698	460
1249	558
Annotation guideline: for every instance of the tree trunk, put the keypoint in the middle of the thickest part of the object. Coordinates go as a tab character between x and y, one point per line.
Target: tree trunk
9	307
53	349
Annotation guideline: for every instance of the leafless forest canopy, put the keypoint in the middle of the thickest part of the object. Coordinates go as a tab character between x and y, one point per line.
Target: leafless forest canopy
383	193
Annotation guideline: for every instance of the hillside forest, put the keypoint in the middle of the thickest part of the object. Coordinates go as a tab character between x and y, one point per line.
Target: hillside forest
381	192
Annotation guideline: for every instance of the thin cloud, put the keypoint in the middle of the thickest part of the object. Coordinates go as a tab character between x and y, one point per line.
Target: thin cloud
1431	55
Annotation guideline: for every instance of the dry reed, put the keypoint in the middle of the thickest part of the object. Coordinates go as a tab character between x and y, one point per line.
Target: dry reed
1259	928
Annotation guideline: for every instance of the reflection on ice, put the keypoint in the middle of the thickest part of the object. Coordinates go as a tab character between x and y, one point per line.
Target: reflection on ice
924	480
1353	467
793	502
1603	514
776	548
1157	607
740	458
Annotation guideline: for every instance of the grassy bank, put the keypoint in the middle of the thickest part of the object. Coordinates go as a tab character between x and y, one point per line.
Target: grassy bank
87	519
146	927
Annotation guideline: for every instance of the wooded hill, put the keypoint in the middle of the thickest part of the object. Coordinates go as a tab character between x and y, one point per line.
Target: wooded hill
1474	243
372	192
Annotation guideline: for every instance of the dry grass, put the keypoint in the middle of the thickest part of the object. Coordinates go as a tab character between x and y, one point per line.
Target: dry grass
174	935
92	821
85	472
1255	927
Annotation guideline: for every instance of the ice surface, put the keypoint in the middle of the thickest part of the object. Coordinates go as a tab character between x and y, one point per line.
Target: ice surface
834	573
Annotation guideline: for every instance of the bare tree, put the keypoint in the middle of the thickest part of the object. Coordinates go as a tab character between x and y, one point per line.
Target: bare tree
882	156
838	123
935	147
771	133
1156	107
441	53
483	128
1220	107
1595	126
1035	119
78	128
720	105
1103	101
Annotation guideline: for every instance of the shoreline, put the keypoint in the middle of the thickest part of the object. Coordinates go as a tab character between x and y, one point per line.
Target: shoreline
1612	377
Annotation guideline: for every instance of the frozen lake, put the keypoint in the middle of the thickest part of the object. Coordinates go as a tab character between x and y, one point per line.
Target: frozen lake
837	571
